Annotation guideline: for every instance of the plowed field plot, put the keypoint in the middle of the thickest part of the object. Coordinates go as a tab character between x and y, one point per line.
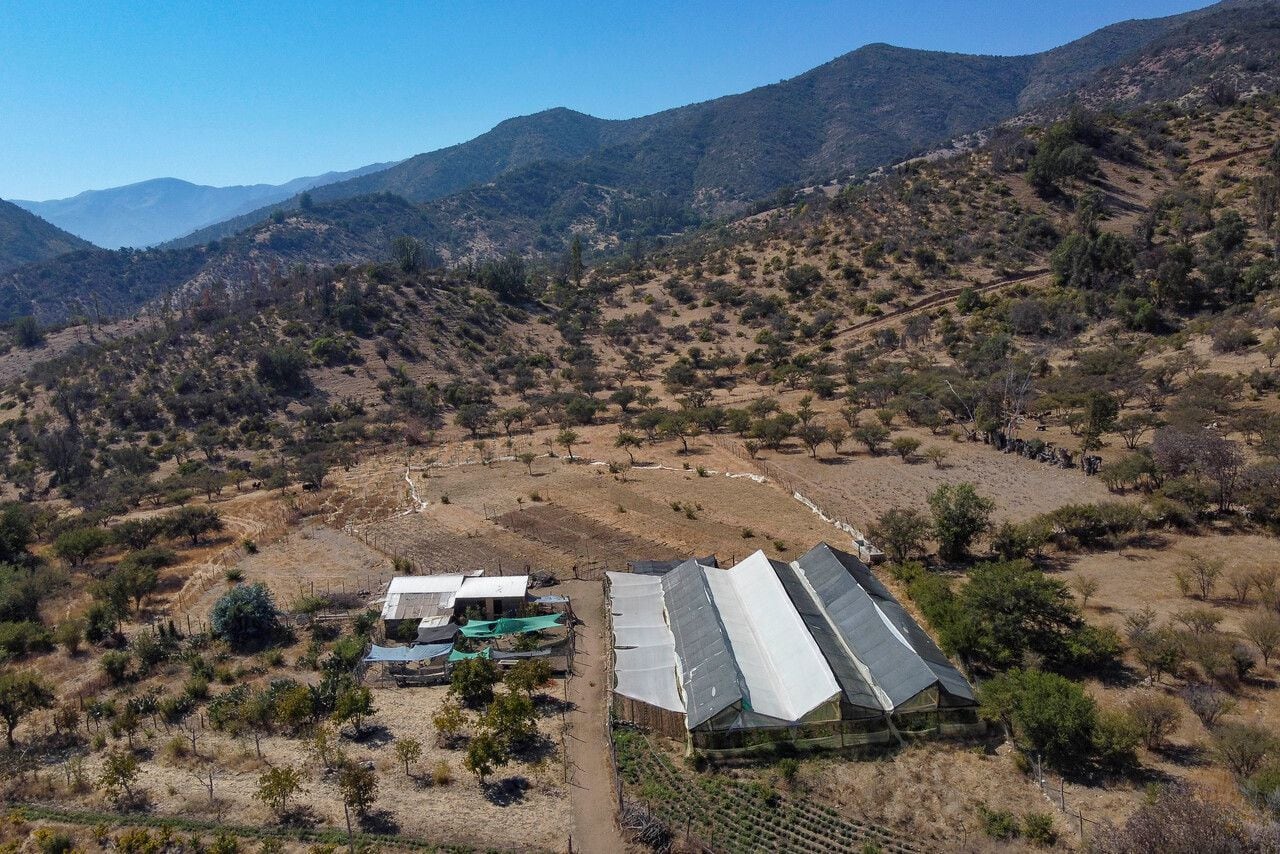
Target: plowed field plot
434	547
594	545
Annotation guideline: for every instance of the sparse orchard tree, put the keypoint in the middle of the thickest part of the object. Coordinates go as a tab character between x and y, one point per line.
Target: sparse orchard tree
1262	628
449	721
566	439
629	442
21	692
277	785
1085	586
872	434
353	706
905	446
484	753
408	751
836	437
937	455
119	771
527	458
813	436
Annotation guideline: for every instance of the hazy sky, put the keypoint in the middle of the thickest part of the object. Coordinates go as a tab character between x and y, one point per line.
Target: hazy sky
97	94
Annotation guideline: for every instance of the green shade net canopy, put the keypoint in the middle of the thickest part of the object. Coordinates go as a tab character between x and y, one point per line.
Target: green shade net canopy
510	626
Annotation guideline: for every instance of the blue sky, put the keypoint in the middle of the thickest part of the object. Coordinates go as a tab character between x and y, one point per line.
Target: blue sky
96	94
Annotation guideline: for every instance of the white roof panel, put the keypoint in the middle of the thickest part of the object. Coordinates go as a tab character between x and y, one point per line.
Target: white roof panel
494	587
645	652
786	674
425	584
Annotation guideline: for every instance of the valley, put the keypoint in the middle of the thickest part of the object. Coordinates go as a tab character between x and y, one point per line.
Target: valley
1026	386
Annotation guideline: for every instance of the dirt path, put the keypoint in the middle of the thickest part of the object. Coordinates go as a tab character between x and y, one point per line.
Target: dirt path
591	792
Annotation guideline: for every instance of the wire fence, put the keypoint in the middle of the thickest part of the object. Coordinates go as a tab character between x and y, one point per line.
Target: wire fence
1076	818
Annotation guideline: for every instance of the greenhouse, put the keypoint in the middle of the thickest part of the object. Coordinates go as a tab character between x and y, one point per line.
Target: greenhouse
814	653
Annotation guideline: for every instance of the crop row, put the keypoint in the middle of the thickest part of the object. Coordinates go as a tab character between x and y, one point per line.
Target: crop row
734	817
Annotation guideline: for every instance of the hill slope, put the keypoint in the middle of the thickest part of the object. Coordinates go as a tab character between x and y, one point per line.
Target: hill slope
26	238
660	175
161	209
874	105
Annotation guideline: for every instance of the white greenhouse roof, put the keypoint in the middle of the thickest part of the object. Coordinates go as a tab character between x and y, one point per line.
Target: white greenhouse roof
786	675
644	649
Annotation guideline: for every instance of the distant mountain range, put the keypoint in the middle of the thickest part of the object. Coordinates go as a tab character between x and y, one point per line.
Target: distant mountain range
152	212
867	108
26	238
533	182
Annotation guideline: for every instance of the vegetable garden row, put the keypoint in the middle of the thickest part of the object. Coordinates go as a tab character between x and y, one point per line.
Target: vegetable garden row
730	816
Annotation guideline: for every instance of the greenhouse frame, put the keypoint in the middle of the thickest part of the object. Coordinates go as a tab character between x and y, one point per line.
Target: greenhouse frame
813	653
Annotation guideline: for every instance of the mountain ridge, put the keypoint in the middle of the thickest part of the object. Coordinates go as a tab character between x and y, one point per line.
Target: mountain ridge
26	238
146	213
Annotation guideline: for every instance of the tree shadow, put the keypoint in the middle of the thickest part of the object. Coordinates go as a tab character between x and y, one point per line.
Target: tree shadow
380	821
1184	755
833	461
372	735
299	816
507	791
549	705
538	749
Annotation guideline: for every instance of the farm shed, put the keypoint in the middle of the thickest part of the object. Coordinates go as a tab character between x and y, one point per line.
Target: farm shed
814	653
430	603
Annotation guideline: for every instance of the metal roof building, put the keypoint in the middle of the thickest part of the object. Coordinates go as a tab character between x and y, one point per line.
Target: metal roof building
816	651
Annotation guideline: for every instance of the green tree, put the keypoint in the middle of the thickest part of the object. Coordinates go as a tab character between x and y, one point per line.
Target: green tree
21	692
472	681
408	751
629	442
566	439
905	446
449	721
27	332
246	616
15	534
358	786
193	522
511	719
1043	712
277	785
1011	608
80	545
484	753
353	705
407	253
901	532
528	676
872	434
119	771
960	516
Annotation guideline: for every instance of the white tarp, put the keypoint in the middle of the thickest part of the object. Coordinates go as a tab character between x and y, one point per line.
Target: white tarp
786	674
645	653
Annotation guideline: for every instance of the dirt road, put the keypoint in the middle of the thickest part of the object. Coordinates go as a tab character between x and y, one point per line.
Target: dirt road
593	798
